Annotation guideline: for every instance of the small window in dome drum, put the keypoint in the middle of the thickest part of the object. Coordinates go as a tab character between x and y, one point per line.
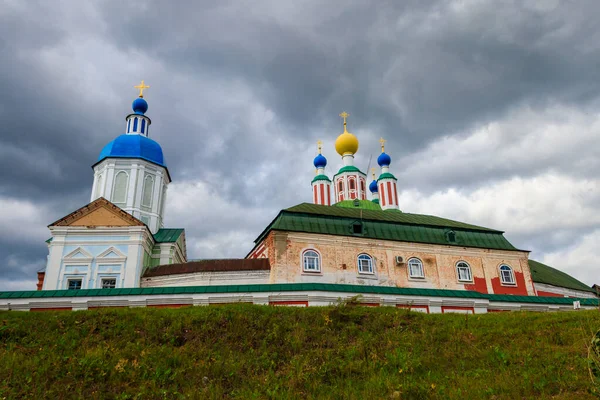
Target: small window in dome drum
135	125
143	125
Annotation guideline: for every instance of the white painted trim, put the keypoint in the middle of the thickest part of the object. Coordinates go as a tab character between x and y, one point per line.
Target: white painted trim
458	275
311	272
111	249
71	256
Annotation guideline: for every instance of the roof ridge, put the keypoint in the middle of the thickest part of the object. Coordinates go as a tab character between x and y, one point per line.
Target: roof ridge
366	212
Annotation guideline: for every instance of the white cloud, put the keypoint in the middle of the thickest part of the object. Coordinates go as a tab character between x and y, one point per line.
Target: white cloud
518	205
579	260
23	221
23	284
524	142
215	227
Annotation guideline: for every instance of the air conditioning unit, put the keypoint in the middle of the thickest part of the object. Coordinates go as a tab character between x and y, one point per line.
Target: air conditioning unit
399	260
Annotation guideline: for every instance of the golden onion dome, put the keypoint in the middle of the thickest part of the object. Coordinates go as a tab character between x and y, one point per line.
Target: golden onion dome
346	143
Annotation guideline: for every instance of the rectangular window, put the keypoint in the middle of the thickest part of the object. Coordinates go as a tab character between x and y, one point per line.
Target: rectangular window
74	284
507	277
365	266
109	283
311	264
415	269
464	273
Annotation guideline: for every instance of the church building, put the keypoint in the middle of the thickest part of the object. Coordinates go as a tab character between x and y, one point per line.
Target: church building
353	239
109	242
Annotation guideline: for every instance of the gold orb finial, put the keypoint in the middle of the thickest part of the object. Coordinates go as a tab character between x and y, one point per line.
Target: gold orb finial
141	86
382	141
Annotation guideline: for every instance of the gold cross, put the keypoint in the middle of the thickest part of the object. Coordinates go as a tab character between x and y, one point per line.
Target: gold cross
141	86
344	115
373	172
382	141
319	144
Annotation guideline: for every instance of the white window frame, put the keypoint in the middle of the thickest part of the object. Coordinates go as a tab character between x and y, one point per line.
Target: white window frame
370	268
511	275
148	192
306	257
412	262
113	199
467	268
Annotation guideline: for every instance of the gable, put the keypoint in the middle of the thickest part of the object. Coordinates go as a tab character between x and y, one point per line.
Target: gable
79	254
112	253
100	212
101	217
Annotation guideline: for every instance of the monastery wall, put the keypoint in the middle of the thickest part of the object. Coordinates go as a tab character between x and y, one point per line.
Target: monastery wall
339	263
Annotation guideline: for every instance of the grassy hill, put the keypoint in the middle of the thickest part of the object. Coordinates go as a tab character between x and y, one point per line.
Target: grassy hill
260	352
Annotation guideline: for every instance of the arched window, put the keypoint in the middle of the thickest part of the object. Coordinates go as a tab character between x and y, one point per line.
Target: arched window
120	189
128	126
341	186
415	268
311	261
463	270
135	125
351	184
148	189
362	185
365	264
143	125
507	276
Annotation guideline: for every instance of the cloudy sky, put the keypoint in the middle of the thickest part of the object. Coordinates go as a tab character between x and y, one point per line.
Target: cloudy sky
491	110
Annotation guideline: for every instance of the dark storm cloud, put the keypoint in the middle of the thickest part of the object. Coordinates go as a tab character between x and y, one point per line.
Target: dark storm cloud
240	91
401	71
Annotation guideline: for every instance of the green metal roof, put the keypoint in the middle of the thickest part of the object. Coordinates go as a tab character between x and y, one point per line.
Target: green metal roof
542	273
386	225
293	287
362	204
321	178
168	235
386	175
348	168
383	216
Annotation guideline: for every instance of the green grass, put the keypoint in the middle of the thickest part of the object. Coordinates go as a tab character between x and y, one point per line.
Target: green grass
261	352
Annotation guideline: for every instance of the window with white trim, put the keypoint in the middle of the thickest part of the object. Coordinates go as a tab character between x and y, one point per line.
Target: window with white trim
415	268
74	284
119	195
463	270
109	283
365	264
507	276
311	261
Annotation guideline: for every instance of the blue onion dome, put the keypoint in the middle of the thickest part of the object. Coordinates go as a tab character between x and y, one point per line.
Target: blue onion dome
140	106
320	161
373	186
134	146
384	160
